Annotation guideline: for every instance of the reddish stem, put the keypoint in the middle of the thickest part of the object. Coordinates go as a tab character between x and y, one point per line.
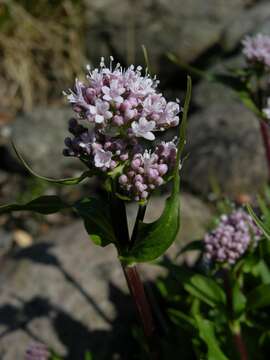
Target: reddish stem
239	343
142	305
266	141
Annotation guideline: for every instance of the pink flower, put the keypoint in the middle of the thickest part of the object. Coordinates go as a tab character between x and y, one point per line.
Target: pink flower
99	112
103	158
114	92
143	128
257	49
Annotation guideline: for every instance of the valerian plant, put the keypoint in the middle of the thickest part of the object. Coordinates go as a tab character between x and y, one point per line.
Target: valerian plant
220	305
251	82
119	112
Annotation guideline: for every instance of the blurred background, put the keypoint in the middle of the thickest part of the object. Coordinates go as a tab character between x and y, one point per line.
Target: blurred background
55	286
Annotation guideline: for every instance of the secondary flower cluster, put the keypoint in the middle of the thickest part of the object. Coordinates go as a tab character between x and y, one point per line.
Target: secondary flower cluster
119	111
147	170
257	50
235	233
37	351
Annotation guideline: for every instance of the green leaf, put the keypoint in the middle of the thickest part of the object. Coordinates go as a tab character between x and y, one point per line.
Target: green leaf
190	69
155	238
205	289
248	102
44	205
67	181
146	58
181	319
259	297
259	223
238	301
207	334
88	356
97	220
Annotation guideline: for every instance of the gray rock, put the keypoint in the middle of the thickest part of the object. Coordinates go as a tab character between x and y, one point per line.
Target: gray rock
192	27
40	135
70	294
64	292
248	22
225	148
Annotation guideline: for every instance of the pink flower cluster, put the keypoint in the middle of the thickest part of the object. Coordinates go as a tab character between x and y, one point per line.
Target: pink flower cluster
146	171
119	112
257	49
235	233
114	97
37	351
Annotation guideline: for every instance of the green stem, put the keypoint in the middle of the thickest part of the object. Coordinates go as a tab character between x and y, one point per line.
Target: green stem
135	285
235	327
264	128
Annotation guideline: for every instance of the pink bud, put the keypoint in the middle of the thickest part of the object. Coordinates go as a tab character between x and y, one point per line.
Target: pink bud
123	179
135	164
139	178
144	195
153	174
159	181
118	120
162	168
124	157
90	93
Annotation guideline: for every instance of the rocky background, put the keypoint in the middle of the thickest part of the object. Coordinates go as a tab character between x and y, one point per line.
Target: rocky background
55	286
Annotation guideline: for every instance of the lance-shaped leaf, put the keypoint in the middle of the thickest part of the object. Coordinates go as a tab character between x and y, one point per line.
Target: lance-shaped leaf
67	181
155	238
44	205
207	334
97	220
259	223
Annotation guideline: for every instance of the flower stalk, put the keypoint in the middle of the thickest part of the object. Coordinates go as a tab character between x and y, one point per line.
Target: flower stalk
264	127
134	282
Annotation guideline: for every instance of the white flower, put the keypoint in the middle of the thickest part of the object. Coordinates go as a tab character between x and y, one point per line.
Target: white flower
143	128
266	111
169	116
76	97
103	158
154	104
100	111
114	92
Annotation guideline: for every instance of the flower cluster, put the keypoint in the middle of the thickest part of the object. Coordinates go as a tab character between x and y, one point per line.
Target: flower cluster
119	111
147	170
257	50
235	233
37	351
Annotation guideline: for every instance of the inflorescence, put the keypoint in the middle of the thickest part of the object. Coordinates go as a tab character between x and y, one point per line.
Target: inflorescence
37	351
235	233
257	50
120	112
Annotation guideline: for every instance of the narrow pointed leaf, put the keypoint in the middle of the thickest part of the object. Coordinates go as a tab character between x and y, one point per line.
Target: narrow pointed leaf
97	220
259	223
205	289
146	58
155	238
207	334
43	205
67	181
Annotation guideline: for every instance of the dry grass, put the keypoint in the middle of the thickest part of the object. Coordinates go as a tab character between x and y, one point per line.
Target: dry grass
41	49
